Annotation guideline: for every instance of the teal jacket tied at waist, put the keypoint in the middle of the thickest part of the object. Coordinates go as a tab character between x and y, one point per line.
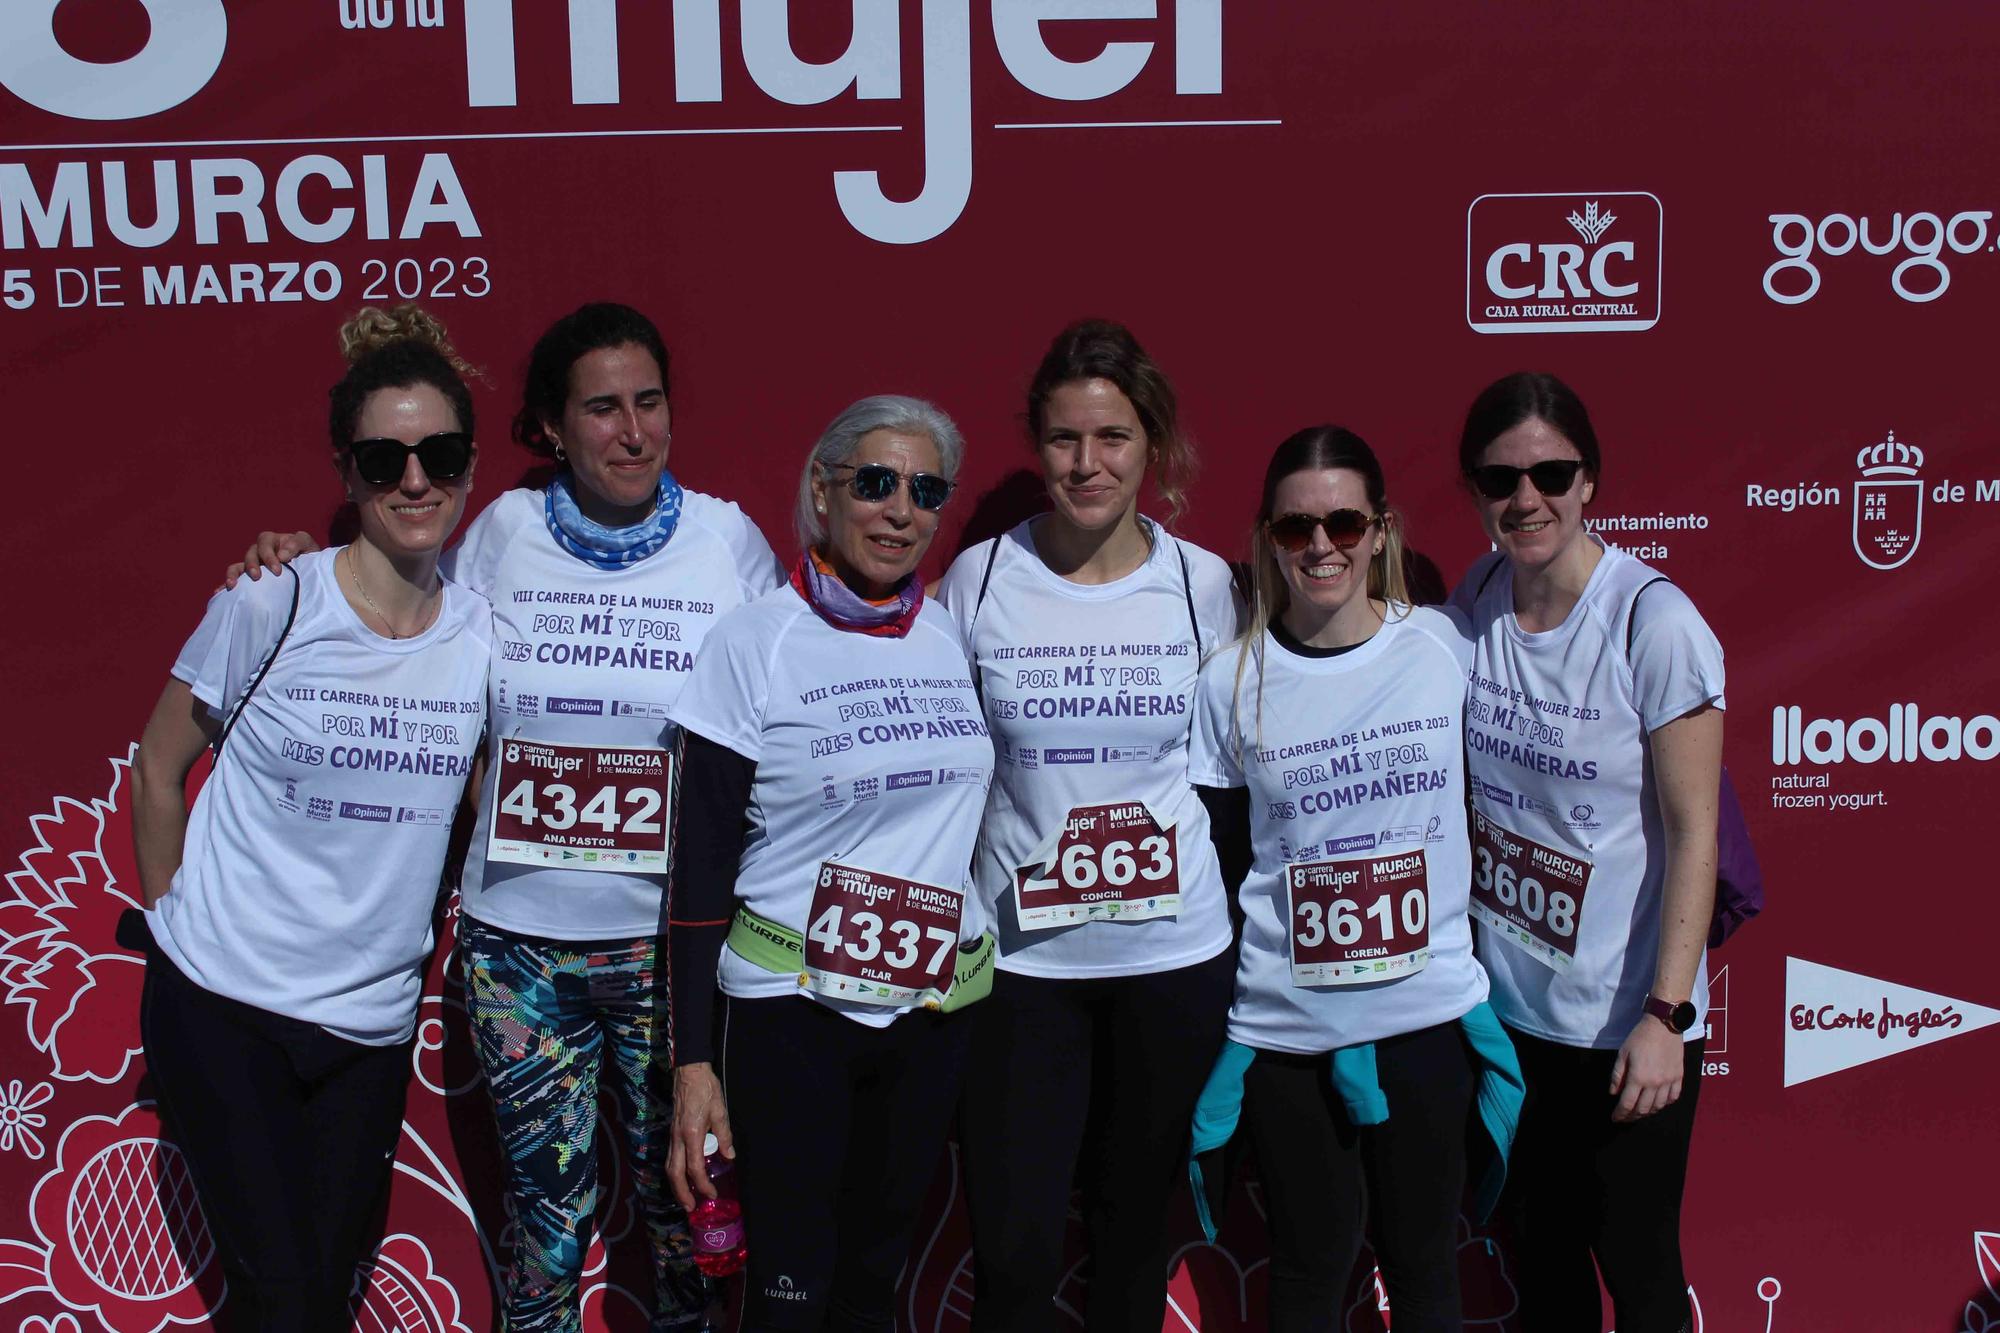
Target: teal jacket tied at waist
1498	1098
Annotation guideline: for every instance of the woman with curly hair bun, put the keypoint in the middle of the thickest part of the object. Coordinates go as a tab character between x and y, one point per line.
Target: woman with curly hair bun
290	910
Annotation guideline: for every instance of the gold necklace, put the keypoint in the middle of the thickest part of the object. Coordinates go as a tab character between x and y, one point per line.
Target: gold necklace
354	574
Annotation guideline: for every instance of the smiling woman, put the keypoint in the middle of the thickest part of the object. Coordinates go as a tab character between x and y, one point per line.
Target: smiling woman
291	910
822	882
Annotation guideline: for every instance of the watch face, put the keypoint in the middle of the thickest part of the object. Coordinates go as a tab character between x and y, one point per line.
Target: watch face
1683	1016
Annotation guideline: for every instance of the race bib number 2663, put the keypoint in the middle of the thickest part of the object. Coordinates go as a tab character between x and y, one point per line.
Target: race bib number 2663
582	807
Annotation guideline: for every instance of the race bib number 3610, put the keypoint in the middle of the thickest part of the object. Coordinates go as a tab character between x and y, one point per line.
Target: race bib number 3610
1532	895
582	807
1359	921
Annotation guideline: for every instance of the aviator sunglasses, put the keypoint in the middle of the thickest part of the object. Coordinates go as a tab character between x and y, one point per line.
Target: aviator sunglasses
1344	528
445	457
1551	476
873	483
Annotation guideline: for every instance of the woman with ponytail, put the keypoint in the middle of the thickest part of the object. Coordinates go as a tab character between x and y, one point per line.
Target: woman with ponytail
290	910
1086	625
1360	1030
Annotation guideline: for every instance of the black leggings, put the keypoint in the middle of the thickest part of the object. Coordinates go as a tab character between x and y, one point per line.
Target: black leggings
1581	1186
1324	1178
839	1129
1113	1061
290	1133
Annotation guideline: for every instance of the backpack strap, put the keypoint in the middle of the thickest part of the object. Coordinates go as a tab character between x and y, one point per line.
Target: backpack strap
1487	578
1187	591
1632	612
291	617
992	559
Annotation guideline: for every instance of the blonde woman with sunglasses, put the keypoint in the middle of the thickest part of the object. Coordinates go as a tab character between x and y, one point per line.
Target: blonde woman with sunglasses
1359	1035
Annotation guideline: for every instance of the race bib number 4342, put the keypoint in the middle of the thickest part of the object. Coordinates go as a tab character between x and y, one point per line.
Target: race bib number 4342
582	807
878	939
1359	921
1532	895
1108	863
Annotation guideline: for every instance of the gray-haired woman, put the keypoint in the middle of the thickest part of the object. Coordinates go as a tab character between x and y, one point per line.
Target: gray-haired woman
834	777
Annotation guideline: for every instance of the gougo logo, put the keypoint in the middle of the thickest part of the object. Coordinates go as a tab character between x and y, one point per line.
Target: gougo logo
1922	239
188	37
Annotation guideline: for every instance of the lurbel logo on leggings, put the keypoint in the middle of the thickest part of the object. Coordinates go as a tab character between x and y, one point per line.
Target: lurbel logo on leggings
785	1290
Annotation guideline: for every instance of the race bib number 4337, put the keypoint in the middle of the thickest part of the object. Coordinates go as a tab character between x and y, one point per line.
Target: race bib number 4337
1359	921
878	939
582	807
1531	894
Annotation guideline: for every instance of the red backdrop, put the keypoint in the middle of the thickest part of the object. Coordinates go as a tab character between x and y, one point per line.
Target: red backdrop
1758	239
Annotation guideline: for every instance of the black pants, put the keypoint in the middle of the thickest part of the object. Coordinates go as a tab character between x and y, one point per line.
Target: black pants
290	1133
1580	1186
1324	1178
839	1129
1108	1067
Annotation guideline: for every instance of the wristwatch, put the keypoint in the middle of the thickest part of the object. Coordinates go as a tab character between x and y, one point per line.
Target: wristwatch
1678	1017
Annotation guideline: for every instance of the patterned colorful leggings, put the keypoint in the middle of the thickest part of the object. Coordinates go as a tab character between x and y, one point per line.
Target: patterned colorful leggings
548	1016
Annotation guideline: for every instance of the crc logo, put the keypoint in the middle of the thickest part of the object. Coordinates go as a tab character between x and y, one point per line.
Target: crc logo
1551	263
1888	503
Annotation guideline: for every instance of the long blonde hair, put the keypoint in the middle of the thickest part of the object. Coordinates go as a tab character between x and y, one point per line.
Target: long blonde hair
1316	448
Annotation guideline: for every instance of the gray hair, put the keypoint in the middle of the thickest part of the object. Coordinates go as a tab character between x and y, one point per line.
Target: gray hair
843	435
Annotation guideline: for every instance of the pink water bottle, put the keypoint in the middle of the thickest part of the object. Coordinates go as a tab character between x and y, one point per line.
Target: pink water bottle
718	1223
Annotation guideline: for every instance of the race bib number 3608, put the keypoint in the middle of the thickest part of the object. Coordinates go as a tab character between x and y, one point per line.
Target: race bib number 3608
1359	921
582	807
1108	863
1532	895
878	939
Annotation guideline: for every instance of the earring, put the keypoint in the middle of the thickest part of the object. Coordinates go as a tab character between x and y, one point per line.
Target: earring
561	456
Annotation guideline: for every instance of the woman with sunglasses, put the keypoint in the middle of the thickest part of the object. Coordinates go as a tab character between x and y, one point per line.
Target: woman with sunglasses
1595	743
836	771
1359	1031
290	911
605	585
1086	625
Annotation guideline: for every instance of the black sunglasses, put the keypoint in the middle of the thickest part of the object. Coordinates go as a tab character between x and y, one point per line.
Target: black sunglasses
1344	528
445	457
1551	476
873	483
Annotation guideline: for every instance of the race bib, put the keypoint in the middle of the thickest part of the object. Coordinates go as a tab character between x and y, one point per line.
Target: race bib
1359	921
877	939
1532	895
582	807
1106	863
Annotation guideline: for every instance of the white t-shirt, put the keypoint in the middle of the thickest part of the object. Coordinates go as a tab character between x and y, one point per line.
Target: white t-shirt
1355	764
1557	731
870	753
1088	690
314	849
592	657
